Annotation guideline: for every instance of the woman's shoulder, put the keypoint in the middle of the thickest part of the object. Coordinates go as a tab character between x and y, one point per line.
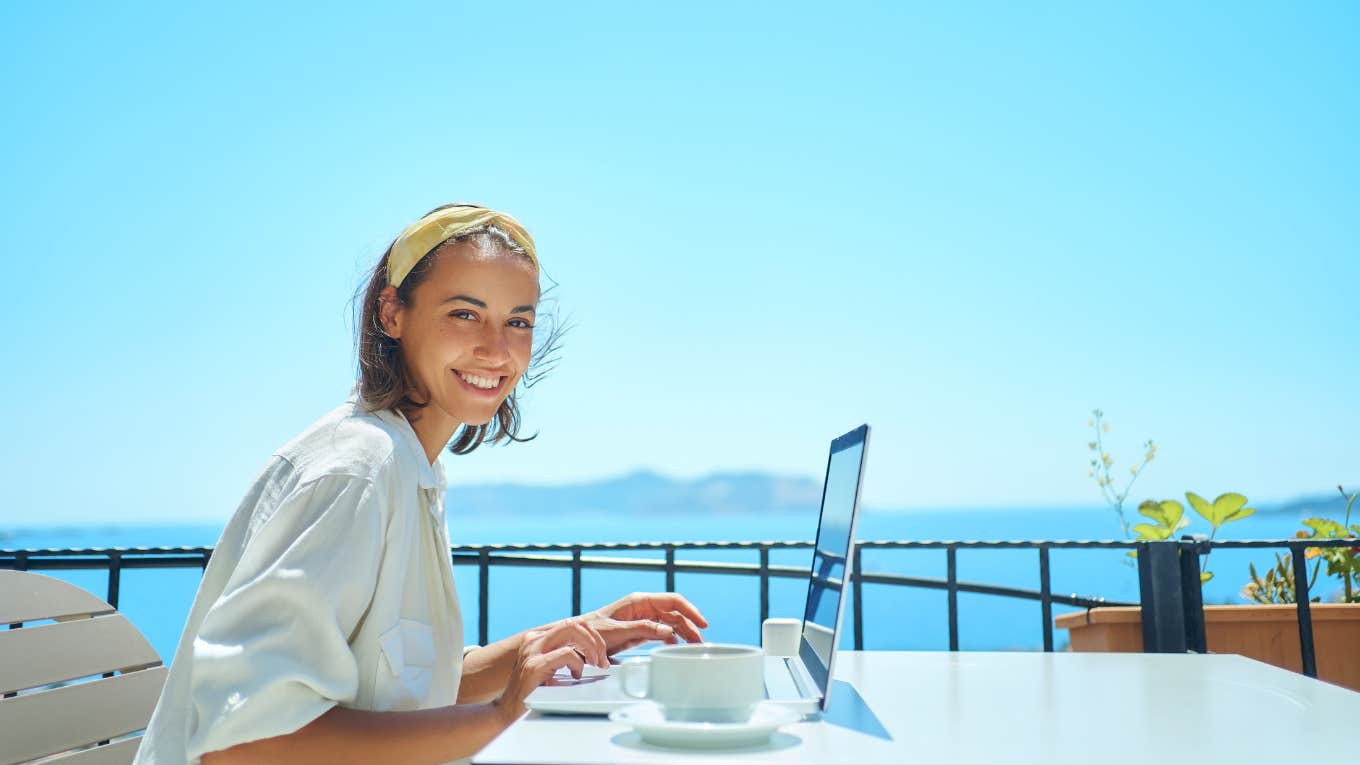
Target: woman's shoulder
349	440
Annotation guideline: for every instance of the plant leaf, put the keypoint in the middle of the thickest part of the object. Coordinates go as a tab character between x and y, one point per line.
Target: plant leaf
1238	515
1225	505
1174	514
1151	508
1149	531
1325	528
1205	576
1170	513
1200	505
1229	501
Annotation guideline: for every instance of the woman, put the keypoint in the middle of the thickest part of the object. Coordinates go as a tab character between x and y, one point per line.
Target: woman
327	628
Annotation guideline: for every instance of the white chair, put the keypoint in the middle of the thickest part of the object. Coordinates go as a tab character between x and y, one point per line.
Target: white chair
45	713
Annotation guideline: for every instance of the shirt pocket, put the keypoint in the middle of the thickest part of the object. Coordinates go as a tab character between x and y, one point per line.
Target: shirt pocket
405	666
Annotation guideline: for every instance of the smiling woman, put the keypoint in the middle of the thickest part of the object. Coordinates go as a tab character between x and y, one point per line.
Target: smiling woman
487	337
327	627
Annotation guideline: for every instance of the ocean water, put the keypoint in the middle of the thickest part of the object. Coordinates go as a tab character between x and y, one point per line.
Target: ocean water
158	600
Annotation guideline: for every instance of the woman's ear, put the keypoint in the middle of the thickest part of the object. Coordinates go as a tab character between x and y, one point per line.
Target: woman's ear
390	311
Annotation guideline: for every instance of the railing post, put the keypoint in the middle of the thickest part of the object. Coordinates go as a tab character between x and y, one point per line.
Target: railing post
764	584
1192	592
1305	609
670	568
576	580
1046	598
857	584
952	587
1159	585
115	575
483	595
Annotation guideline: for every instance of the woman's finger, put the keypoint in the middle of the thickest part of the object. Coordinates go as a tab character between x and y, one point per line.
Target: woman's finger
584	637
673	601
681	604
591	643
641	630
682	626
548	663
630	643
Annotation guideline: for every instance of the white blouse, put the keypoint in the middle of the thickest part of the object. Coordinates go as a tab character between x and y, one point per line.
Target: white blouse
331	584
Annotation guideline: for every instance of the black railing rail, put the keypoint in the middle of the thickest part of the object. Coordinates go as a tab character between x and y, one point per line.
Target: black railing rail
1173	613
574	557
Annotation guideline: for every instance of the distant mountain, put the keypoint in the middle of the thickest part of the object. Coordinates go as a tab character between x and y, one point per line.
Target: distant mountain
1330	505
718	494
647	492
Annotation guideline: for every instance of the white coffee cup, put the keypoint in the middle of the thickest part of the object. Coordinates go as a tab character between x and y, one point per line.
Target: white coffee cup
779	636
699	682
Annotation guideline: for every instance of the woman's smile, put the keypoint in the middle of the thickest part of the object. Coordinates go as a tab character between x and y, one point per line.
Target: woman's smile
482	385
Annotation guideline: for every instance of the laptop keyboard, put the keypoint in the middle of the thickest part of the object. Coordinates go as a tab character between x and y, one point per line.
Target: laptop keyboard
779	682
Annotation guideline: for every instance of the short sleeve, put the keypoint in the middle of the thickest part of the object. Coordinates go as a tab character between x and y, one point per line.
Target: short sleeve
272	653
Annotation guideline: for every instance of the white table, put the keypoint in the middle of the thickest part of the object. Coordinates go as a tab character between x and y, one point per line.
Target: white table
904	707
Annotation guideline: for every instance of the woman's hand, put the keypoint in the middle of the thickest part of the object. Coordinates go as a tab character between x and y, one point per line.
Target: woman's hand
570	643
634	619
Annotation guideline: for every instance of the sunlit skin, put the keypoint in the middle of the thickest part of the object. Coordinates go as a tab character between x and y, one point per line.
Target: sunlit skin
474	313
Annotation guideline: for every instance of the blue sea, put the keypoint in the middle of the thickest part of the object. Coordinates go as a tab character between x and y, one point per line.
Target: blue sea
158	600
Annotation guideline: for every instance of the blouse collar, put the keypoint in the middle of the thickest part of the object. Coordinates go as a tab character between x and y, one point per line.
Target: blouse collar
431	476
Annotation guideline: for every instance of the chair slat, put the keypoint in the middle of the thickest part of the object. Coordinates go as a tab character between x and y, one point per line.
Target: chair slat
46	722
29	597
117	753
52	653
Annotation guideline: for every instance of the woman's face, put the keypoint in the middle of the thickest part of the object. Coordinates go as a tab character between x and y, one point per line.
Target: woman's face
467	333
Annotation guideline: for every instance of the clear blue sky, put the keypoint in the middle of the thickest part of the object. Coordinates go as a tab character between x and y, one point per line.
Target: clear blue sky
967	224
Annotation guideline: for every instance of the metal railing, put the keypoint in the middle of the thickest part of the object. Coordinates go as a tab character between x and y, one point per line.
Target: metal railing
1171	597
1173	611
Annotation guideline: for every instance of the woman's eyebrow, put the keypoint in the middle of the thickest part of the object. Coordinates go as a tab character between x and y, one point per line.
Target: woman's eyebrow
480	304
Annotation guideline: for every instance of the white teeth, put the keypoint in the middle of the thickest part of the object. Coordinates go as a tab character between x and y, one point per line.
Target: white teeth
480	382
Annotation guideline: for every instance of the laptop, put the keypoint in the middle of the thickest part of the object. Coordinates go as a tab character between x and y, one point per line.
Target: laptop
801	682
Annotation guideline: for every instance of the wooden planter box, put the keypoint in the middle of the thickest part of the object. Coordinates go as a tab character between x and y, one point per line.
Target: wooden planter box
1268	633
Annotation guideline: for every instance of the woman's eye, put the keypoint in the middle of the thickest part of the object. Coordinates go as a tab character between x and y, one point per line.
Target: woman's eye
462	314
521	325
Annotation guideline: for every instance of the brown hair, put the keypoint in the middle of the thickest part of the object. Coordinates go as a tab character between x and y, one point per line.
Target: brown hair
383	377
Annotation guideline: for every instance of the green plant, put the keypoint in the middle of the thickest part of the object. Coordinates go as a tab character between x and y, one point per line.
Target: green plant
1102	463
1168	518
1277	586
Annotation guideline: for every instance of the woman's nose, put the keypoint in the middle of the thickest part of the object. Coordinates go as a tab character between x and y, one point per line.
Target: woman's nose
492	346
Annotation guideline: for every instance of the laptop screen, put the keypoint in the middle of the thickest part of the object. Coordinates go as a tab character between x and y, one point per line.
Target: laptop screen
831	557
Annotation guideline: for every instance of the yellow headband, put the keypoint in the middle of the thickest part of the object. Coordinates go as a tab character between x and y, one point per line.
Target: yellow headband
425	234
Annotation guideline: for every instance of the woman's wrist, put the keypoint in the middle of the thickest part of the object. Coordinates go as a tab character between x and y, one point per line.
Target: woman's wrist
507	711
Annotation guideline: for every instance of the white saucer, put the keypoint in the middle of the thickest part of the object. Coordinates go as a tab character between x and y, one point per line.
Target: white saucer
654	728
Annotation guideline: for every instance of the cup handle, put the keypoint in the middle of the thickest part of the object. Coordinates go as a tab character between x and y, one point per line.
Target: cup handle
634	668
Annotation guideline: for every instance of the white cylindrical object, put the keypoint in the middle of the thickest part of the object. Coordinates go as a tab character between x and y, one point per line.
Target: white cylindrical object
634	668
779	636
704	682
